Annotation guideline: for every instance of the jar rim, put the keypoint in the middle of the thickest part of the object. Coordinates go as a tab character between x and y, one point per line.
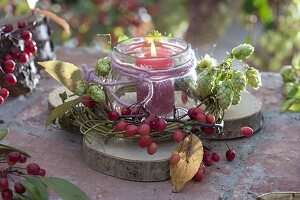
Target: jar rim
173	55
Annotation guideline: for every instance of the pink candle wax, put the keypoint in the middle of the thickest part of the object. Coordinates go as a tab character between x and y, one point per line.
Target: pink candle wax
163	92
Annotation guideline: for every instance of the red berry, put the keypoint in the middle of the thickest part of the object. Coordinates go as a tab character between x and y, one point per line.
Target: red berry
42	172
21	24
202	166
152	148
4	93
88	102
19	188
7	28
193	112
23	58
215	157
230	155
144	129
126	111
210	119
3	183
33	169
15	53
7	194
1	100
26	35
8	57
121	126
10	64
174	159
32	49
131	130
199	175
178	136
113	116
246	131
13	157
208	161
10	79
206	153
161	124
23	159
201	118
145	141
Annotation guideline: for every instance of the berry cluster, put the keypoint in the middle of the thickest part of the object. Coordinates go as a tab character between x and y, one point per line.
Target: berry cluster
147	129
20	47
11	172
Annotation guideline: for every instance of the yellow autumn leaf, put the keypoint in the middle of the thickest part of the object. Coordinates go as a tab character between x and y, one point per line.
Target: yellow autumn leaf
190	151
64	72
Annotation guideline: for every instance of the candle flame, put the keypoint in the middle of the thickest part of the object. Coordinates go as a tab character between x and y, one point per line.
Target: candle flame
153	49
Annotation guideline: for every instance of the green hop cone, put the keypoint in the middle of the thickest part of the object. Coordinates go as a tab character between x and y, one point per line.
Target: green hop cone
206	82
236	98
225	94
205	62
243	51
253	78
238	81
81	88
103	67
288	73
96	93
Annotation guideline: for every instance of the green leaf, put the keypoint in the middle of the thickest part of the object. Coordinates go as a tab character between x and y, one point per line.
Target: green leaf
3	133
62	109
32	190
5	149
287	104
40	186
295	107
294	93
122	37
64	189
64	72
22	197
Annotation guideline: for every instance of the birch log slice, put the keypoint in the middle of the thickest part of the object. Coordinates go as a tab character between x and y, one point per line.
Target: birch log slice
125	160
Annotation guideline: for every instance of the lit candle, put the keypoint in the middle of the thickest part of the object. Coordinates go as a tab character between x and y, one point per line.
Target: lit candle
157	58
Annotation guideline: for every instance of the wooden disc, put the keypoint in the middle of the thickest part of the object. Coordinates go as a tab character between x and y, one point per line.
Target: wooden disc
125	160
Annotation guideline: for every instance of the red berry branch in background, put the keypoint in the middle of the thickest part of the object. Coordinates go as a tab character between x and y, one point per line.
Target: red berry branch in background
17	47
12	174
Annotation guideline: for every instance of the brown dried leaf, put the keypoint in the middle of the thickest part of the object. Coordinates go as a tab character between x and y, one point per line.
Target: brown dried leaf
191	154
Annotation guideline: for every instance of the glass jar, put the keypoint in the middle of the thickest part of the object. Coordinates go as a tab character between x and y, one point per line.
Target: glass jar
153	64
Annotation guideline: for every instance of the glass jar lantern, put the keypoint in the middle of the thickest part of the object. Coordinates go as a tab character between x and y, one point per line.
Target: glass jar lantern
153	64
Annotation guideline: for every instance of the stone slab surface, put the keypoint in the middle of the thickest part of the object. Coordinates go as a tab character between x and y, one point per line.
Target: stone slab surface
266	162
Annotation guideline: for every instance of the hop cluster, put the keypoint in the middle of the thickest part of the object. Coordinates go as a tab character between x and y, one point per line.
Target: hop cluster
238	81
243	51
103	67
81	88
253	78
288	74
96	93
225	94
236	98
206	82
206	62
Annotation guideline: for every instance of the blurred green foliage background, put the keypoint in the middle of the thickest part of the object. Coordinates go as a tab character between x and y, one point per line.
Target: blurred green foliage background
200	22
